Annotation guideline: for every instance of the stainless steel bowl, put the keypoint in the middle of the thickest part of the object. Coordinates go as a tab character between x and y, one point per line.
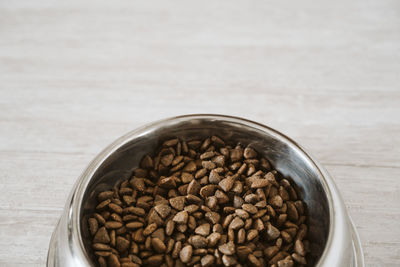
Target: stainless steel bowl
334	240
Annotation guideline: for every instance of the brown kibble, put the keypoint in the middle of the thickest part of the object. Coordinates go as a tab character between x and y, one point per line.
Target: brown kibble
187	177
271	251
276	201
253	260
181	217
169	228
209	165
299	258
147	162
134	225
105	195
236	223
155	260
207	260
227	248
193	188
177	203
207	155
101	236
93	226
214	177
171	142
250	208
150	229
228	260
241	236
100	246
167	183
103	204
212	217
190	167
138	184
167	159
213	239
115	208
113	261
259	183
299	247
203	229
198	241
285	263
158	245
226	184
292	211
243	252
272	232
242	214
249	153
186	253
122	244
236	154
207	190
251	234
163	210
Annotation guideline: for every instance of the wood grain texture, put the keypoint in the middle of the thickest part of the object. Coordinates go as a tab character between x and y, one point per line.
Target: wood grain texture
75	75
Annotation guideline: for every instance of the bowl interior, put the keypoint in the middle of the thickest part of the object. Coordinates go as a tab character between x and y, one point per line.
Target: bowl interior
285	157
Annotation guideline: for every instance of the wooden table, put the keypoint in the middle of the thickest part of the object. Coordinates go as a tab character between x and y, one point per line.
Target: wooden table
75	75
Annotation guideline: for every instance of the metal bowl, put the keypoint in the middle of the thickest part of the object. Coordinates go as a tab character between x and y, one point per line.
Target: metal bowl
334	240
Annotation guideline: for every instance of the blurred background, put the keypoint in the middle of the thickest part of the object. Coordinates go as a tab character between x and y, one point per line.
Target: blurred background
75	75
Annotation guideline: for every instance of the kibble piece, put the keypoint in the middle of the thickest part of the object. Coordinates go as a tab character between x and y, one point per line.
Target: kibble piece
198	241
190	167
122	244
101	236
285	263
158	245
186	253
213	239
272	232
226	184
212	217
93	226
150	229
214	177
227	248
252	234
155	260
253	260
228	260
250	208
241	236
299	258
163	210
177	203
193	188
181	217
259	183
203	229
113	261
249	153
207	260
134	225
276	201
236	223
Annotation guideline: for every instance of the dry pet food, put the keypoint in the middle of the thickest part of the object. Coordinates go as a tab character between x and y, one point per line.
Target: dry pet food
200	203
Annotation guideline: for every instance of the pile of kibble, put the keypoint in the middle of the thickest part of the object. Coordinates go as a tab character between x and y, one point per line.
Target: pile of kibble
200	203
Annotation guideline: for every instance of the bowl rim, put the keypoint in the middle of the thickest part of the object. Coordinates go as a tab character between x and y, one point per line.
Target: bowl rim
76	199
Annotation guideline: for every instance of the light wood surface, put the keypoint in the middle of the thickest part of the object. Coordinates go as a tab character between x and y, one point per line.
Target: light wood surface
75	75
